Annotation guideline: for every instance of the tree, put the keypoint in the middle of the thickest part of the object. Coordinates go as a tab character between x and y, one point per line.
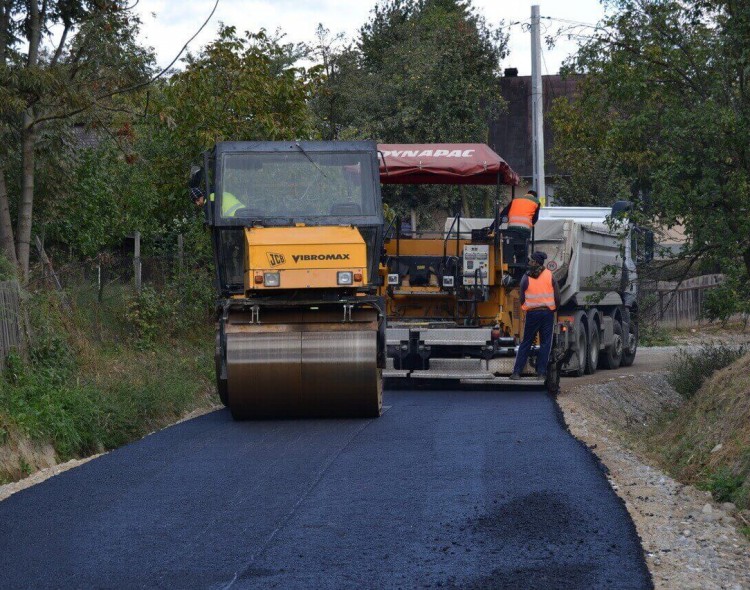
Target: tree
422	71
664	114
239	87
60	59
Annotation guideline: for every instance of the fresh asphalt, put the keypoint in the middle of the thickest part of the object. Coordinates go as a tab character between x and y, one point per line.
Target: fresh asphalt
448	489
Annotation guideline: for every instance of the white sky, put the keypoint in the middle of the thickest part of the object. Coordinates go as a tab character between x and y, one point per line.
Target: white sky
168	24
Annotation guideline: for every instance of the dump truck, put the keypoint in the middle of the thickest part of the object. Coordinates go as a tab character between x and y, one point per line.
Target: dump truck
453	301
297	234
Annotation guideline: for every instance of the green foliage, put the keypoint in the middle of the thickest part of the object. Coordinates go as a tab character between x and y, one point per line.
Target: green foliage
689	370
239	87
84	416
84	74
7	270
654	334
146	312
663	114
724	485
422	71
728	299
109	200
84	395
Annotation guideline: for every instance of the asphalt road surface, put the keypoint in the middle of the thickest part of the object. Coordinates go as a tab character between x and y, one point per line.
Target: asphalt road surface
447	489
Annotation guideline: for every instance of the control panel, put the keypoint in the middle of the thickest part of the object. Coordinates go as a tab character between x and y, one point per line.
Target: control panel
476	264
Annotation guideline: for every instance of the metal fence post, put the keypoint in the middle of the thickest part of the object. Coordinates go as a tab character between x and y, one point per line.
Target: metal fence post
137	260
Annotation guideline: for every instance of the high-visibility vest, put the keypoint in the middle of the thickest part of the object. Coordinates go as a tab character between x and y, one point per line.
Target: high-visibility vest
229	204
521	212
540	292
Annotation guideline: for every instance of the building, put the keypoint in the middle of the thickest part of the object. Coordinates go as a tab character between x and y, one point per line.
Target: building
510	133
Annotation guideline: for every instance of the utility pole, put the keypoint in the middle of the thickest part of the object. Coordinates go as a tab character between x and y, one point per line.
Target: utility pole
537	103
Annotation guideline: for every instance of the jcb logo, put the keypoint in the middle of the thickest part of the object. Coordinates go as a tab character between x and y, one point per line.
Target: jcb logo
275	259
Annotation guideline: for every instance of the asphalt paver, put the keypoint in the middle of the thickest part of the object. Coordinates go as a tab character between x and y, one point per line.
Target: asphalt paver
448	489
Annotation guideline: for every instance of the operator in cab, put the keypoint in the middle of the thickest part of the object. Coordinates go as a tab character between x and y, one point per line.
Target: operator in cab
229	204
540	297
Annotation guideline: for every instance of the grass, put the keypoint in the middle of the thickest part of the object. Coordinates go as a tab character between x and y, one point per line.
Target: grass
706	442
689	370
93	381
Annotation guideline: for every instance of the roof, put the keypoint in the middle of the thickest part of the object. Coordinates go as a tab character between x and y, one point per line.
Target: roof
443	163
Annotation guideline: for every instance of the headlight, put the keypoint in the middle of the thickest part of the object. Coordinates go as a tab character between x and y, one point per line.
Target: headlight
448	281
271	279
393	279
344	277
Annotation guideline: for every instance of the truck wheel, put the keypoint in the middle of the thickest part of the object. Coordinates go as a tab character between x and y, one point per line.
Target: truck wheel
612	356
582	348
628	353
592	358
553	379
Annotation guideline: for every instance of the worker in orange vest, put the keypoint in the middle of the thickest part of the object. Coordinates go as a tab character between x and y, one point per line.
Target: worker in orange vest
540	297
522	213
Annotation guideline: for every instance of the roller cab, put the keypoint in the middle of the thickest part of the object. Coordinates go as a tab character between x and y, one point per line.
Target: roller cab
297	233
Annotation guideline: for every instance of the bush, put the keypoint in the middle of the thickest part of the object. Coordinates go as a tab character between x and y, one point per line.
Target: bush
688	370
729	299
725	485
148	312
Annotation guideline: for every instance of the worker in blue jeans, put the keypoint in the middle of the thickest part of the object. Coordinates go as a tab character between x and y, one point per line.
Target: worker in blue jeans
540	297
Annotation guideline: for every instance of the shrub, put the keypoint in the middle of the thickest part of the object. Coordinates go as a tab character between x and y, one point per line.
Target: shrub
727	300
688	370
148	312
653	334
724	485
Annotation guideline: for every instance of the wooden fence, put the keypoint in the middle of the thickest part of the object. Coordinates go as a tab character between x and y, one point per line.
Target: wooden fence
679	304
11	332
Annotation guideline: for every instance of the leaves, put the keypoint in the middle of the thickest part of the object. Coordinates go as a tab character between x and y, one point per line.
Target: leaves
663	116
421	71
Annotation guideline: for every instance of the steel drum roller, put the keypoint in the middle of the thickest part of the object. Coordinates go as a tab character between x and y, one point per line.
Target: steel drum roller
303	370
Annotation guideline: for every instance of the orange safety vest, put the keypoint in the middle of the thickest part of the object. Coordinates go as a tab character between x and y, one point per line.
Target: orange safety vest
540	292
521	212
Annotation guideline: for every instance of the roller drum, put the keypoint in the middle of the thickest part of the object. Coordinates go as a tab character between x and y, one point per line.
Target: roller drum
303	370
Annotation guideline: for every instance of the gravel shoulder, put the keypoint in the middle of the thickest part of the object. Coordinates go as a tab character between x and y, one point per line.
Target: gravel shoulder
690	541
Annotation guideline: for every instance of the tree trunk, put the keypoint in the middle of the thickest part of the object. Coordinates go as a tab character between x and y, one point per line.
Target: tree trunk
7	246
23	228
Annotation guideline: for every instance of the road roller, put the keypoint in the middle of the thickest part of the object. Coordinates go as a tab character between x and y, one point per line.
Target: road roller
297	234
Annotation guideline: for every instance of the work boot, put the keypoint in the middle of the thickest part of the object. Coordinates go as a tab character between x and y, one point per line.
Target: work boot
515	376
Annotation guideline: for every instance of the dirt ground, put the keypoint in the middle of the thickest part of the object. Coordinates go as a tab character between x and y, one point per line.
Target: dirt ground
690	541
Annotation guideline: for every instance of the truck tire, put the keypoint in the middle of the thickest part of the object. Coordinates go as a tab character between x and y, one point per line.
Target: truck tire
582	349
612	356
628	354
592	350
553	379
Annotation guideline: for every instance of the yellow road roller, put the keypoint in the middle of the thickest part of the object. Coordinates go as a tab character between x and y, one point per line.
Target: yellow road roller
297	233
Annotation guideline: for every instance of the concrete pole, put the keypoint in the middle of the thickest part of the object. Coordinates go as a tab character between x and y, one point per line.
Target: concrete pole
537	103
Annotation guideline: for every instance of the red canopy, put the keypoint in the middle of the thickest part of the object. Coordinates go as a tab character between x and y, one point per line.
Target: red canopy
443	163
